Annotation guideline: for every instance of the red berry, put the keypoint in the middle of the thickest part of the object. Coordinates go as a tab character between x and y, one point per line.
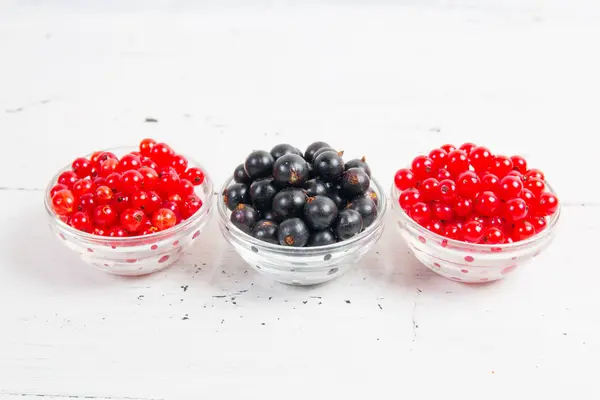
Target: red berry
82	167
403	180
486	203
162	154
108	167
148	228
510	188
443	211
468	184
121	202
173	206
132	219
131	181
57	188
458	162
430	189
179	163
480	158
519	164
420	212
81	221
453	231
515	210
422	167
153	204
467	147
473	231
146	146
194	175
438	156
100	181
175	198
147	162
547	204
496	222
186	187
95	156
118	231
104	216
104	194
534	173
168	180
435	227
105	155
490	183
150	178
539	223
63	202
129	161
522	230
517	174
98	231
409	198
164	219
83	186
448	148
529	197
86	203
463	206
443	173
67	178
190	206
536	185
493	235
113	181
140	199
500	166
447	191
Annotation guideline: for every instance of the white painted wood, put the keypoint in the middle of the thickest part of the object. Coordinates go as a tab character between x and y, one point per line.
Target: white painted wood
384	80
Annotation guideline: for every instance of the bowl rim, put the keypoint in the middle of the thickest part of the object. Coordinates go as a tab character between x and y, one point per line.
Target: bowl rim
108	239
395	192
381	210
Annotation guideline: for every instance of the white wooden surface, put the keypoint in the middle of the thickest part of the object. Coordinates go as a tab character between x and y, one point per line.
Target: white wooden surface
386	80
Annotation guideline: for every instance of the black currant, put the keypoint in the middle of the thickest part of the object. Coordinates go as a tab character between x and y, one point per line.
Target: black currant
316	187
355	181
236	194
283	149
373	196
321	238
240	175
349	223
266	230
309	154
259	164
293	232
289	203
271	216
335	194
262	192
366	207
323	150
244	217
291	169
359	163
319	212
329	166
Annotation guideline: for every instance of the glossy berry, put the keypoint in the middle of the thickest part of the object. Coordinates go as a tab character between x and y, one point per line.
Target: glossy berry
236	194
289	203
405	179
81	221
104	216
173	206
57	188
309	154
94	157
359	163
422	167
63	202
448	147
321	238
147	162
67	178
179	163
132	219
515	210
496	222
366	207
442	174
522	230
539	223
463	206
175	198
103	194
262	192
319	212
131	181
547	204
371	194
436	227
83	186
153	204
103	156
490	182
82	167
409	198
473	231
467	147
150	178
500	166
190	205
164	219
129	161
430	189
510	187
536	185
113	181
355	182
86	203
186	187
493	235
453	231
194	175
516	174
259	164
282	149
293	232
168	180
267	231
480	158
329	166
316	187
534	173
244	217
117	231
468	184
443	211
120	202
348	224
420	212
162	154
290	170
139	200
108	167
239	175
146	146
447	191
519	164
439	157
486	203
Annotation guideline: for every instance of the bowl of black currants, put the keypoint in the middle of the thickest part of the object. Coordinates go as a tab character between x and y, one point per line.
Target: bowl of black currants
302	218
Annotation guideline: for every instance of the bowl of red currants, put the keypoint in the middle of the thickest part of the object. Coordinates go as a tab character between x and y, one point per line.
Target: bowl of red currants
130	210
302	218
471	215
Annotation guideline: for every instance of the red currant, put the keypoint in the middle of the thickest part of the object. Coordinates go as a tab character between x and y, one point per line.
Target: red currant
149	229
422	167
453	231
190	205
435	227
529	197
129	161
82	167
131	181
468	184
63	202
186	187
104	194
105	155
179	163
443	173
194	175
493	235
490	183
430	189
467	147
519	164
409	198
448	148
95	156
83	186
481	158
104	216
57	188
474	217
539	223
547	204
536	185
147	162
443	211
173	206
164	219
168	180
175	198
496	222
463	206
139	200
150	178
162	154
403	180
132	219
438	156
81	221
458	162
510	188
146	146
118	231
534	173
500	166
121	202
153	204
522	230
515	210
447	190
113	181
486	203
100	181
86	203
473	231
108	167
420	213
67	178
517	174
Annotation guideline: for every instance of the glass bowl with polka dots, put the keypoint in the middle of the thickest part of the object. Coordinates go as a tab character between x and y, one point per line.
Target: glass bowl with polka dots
139	255
468	262
302	266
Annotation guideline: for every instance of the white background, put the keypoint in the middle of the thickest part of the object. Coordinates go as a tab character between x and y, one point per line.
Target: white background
383	79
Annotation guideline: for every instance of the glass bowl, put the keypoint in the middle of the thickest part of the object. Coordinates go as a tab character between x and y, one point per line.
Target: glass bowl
302	265
468	262
133	256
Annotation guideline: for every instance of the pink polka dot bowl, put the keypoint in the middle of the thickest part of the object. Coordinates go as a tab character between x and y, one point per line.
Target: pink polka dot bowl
468	262
140	255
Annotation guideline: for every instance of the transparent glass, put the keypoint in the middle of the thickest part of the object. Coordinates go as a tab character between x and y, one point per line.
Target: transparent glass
467	262
132	256
302	265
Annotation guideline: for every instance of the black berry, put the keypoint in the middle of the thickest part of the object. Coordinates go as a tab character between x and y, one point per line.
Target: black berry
283	149
373	196
244	217
316	187
329	166
289	203
262	192
236	194
359	163
291	169
355	181
312	148
259	164
319	212
321	238
293	232
349	223
323	150
335	194
266	230
240	175
366	207
271	216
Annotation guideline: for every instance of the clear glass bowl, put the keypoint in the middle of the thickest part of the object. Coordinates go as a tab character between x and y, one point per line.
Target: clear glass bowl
133	256
302	265
467	262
